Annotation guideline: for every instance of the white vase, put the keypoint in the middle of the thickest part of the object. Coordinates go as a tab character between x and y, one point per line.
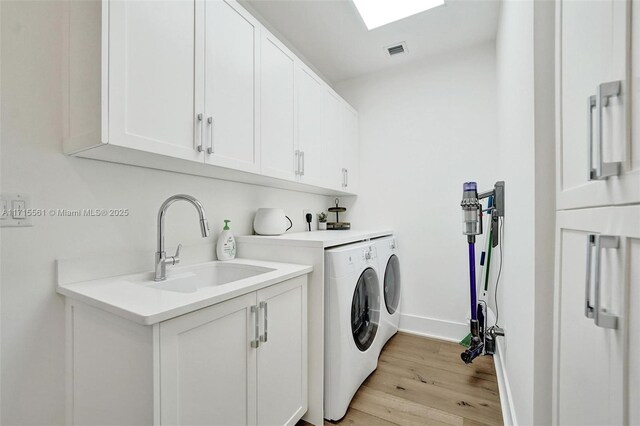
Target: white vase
322	226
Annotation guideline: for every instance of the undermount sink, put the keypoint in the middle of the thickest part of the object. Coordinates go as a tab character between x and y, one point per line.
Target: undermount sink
207	275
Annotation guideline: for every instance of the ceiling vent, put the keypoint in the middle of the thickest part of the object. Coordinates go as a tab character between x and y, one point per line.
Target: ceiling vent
397	49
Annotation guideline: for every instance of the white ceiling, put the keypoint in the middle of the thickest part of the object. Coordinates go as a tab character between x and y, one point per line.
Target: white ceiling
333	37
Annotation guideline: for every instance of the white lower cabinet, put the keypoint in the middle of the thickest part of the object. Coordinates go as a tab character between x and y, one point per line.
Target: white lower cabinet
594	254
240	362
208	369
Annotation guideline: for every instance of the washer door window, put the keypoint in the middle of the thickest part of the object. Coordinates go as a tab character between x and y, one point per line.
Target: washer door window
392	284
365	309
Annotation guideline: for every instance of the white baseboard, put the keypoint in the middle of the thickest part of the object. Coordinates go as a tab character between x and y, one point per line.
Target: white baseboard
506	399
432	327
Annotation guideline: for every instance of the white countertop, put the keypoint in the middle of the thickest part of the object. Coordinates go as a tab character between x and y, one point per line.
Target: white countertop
320	239
134	297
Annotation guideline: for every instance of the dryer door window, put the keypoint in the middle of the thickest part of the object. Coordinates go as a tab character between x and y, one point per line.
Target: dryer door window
365	309
392	284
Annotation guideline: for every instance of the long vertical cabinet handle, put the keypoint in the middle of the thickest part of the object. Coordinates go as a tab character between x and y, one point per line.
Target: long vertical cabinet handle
591	104
346	178
604	93
199	148
263	308
302	162
210	123
297	161
588	308
256	341
600	316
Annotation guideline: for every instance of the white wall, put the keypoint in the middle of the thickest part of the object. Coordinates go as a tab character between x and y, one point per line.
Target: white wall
31	142
525	67
424	130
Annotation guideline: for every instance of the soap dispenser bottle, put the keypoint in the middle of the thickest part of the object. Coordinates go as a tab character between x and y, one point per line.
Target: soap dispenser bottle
226	247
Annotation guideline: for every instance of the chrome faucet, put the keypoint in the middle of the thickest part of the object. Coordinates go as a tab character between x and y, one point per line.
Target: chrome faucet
161	257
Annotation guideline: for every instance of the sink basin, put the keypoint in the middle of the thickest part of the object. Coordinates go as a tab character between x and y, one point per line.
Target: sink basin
207	275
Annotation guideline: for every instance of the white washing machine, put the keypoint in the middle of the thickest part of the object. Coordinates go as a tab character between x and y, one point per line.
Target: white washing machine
390	287
352	316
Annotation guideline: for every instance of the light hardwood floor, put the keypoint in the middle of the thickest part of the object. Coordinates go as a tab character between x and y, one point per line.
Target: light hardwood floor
421	381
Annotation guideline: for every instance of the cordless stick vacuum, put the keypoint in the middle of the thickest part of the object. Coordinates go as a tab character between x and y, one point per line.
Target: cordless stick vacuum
472	226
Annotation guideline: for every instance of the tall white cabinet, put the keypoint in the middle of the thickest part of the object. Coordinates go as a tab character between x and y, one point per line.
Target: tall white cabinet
595	250
600	161
597	290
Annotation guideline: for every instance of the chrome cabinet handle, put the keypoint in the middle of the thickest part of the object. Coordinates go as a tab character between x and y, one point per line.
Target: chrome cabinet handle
346	178
255	342
302	161
297	160
263	307
588	308
591	104
603	170
199	148
210	123
601	317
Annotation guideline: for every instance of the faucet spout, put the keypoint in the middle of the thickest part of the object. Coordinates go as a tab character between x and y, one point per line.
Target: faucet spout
161	257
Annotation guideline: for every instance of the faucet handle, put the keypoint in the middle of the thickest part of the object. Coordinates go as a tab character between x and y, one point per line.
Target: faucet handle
175	259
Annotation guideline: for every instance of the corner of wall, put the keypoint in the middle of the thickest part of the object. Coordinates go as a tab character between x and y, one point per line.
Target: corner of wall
545	196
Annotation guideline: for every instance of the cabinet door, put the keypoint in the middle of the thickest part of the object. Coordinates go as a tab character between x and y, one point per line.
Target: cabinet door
277	113
310	99
333	139
230	86
591	125
207	367
591	286
154	87
634	333
282	356
350	149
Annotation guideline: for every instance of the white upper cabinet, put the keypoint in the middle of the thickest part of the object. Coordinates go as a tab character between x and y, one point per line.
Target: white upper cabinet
277	109
153	52
230	86
155	83
598	161
311	143
334	137
350	150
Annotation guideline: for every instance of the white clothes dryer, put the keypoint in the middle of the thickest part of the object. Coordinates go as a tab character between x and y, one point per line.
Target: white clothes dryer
352	319
390	287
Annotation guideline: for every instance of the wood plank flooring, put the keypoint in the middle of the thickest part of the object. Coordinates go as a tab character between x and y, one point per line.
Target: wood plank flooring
421	381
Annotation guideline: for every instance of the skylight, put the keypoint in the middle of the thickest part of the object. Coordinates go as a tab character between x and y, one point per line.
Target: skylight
376	13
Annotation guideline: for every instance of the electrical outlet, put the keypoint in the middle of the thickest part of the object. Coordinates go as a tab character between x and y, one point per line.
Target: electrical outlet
304	219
